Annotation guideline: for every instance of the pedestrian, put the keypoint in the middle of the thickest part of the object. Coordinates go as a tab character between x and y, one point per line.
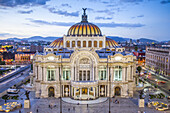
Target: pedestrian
68	109
19	111
37	110
87	105
73	108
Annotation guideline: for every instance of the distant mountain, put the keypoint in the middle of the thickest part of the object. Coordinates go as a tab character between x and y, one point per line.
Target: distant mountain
36	38
51	38
146	40
120	39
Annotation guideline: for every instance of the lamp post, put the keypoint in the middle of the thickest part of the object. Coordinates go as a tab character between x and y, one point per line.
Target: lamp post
60	88
109	80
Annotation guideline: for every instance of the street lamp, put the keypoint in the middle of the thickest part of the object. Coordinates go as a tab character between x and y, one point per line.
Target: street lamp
109	80
60	88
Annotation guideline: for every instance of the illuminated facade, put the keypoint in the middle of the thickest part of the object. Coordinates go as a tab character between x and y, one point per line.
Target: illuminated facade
84	64
158	60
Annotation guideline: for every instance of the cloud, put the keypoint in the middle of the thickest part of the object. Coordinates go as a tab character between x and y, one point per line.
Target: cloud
64	13
65	5
109	12
111	25
25	12
90	9
13	3
4	34
104	2
131	1
42	22
165	1
139	16
103	18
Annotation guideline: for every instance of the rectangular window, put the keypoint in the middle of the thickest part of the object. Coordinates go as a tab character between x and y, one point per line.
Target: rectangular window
84	75
102	73
51	74
118	73
88	75
66	73
80	75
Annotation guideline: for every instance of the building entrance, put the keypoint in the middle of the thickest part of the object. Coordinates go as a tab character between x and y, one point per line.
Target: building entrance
50	92
117	91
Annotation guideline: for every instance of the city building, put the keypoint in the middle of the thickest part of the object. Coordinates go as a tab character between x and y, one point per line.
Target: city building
140	55
158	60
84	64
23	58
34	48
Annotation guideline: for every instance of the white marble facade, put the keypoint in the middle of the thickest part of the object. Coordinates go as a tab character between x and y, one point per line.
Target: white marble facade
84	72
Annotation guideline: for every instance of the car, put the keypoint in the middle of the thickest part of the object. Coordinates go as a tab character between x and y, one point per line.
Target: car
145	72
163	82
12	91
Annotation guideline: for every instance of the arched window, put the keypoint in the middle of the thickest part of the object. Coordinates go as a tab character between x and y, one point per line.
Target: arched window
68	44
78	43
95	43
118	73
89	44
100	44
84	43
73	43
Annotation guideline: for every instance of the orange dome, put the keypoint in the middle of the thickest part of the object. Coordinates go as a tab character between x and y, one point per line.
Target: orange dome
84	29
57	43
111	43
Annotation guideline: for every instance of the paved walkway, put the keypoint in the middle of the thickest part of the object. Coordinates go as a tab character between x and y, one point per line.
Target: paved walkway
43	106
72	101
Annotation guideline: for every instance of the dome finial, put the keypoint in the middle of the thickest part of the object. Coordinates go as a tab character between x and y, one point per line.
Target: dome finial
84	16
84	11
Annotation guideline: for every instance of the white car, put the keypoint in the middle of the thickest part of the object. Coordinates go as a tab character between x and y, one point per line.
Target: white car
12	91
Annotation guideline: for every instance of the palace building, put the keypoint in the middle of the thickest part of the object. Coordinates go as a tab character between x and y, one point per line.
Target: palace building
84	64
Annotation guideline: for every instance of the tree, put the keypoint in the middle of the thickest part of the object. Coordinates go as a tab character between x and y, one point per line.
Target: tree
139	69
136	48
2	62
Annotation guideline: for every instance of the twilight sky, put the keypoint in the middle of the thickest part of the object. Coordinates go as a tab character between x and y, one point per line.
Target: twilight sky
124	18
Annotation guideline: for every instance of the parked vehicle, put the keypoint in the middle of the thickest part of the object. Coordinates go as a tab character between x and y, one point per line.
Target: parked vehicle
12	91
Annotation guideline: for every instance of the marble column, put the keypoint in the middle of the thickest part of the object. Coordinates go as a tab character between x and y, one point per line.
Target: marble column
88	92
86	75
99	90
70	44
80	92
94	90
76	43
74	92
105	90
63	90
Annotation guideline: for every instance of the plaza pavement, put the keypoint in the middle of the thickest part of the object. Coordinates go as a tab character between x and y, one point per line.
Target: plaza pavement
125	106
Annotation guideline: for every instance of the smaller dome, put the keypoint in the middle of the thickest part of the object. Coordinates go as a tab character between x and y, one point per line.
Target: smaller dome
57	43
111	43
